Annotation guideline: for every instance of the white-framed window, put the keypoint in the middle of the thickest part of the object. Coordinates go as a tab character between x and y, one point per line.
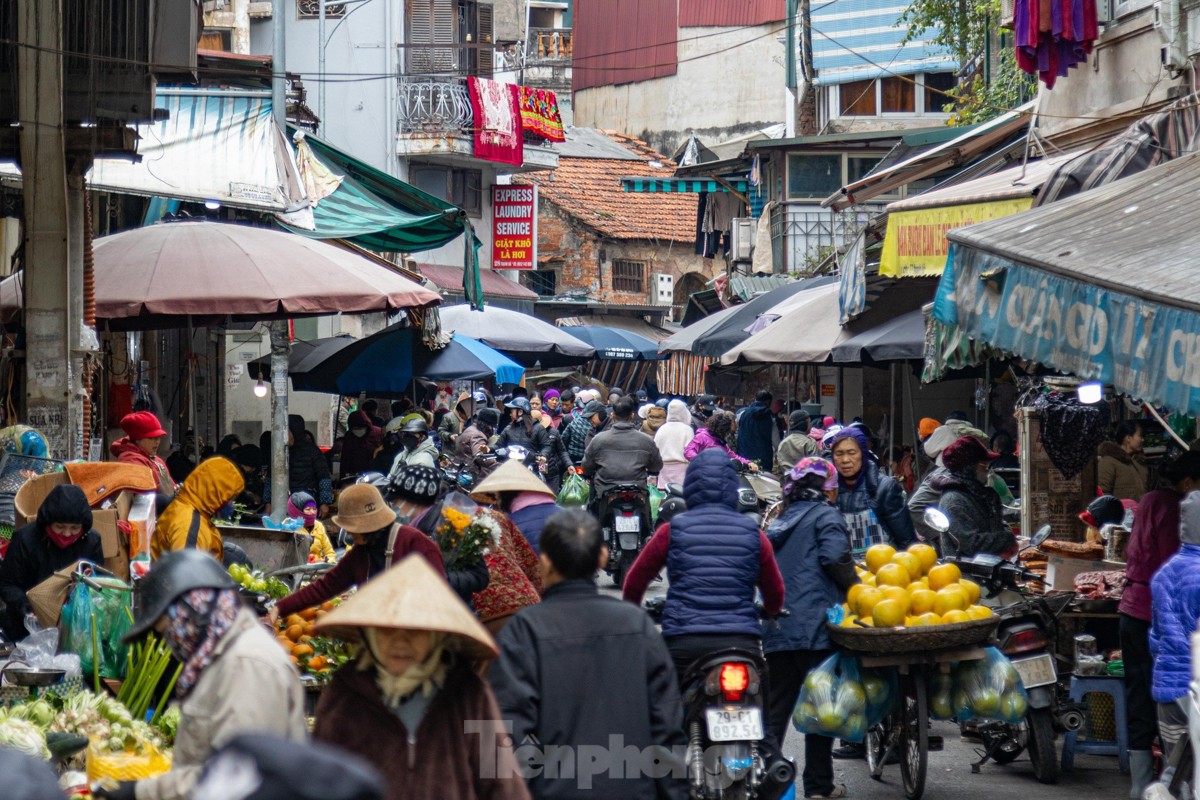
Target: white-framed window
891	95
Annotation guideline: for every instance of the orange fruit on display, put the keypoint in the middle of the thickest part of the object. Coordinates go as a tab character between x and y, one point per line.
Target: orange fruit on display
917	586
955	615
889	613
911	563
916	622
294	632
925	554
866	601
878	555
978	612
897	593
972	590
943	575
869	579
853	592
931	619
922	601
892	575
302	650
848	621
951	598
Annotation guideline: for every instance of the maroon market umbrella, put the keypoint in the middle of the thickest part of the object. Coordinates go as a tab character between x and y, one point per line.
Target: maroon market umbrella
166	274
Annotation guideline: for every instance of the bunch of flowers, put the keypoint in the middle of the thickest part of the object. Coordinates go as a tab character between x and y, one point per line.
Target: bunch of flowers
465	538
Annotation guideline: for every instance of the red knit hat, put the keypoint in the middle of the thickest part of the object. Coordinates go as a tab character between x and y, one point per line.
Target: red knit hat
142	425
966	452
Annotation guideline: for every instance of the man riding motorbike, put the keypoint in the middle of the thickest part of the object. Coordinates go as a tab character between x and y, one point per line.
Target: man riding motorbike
471	447
973	508
419	449
525	431
715	557
620	455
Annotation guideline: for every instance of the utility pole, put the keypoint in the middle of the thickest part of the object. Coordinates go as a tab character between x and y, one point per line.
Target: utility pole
280	484
53	234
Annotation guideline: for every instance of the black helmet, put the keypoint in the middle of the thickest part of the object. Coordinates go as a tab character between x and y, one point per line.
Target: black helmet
172	576
519	402
488	416
417	425
417	483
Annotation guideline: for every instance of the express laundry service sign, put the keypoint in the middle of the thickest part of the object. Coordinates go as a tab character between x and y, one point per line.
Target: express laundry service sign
514	227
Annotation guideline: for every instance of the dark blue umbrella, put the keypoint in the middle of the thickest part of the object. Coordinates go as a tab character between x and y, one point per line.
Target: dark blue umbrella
614	344
386	363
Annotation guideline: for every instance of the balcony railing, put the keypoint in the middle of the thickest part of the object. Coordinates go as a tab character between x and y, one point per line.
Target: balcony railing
434	107
550	44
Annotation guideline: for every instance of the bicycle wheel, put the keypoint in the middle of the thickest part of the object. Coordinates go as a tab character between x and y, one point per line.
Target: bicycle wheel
914	734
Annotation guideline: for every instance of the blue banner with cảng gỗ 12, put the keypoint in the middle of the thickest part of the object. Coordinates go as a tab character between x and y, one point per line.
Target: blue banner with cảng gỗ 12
1146	349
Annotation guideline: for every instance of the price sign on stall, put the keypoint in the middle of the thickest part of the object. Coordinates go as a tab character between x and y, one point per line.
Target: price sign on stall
514	227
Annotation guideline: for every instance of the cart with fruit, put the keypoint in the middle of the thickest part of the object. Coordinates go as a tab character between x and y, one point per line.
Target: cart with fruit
918	617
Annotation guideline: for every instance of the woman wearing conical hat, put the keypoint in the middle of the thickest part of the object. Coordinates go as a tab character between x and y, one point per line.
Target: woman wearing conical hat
411	703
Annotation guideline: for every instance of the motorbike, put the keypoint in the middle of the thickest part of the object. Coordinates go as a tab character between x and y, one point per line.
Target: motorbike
758	496
728	755
624	521
1026	635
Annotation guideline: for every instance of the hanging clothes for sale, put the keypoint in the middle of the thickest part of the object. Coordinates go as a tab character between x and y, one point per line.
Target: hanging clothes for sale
1071	430
1052	36
497	114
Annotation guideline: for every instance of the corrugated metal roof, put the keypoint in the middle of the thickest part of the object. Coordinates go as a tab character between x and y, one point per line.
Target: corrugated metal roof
858	39
962	149
870	137
747	287
723	13
592	143
1018	181
622	41
1138	235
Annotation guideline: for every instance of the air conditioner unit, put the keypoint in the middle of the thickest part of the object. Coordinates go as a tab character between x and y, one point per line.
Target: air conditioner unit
742	240
664	289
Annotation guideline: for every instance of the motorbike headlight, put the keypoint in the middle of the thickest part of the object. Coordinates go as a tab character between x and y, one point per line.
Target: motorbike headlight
747	497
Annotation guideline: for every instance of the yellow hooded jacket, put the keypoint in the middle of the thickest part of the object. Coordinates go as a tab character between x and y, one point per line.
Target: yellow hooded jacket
211	485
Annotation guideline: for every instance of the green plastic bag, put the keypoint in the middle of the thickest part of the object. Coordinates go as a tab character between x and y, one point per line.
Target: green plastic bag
574	491
656	498
108	609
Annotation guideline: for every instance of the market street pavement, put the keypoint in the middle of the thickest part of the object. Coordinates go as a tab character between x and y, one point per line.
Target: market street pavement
949	775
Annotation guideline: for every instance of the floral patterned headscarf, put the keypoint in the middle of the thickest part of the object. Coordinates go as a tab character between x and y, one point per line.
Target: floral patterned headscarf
196	621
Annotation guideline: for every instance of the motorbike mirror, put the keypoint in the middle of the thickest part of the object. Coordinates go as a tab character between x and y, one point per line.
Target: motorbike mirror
936	518
1040	535
675	489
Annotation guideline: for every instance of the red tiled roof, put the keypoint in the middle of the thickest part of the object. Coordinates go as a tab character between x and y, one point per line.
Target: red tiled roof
589	189
451	279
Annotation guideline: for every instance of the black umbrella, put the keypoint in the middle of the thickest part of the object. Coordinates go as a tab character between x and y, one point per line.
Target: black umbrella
731	331
899	339
301	355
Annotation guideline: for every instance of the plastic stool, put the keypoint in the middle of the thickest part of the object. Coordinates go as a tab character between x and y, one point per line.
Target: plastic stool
1114	688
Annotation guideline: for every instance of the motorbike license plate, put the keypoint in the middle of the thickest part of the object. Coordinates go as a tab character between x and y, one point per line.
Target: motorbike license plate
1036	671
734	723
631	524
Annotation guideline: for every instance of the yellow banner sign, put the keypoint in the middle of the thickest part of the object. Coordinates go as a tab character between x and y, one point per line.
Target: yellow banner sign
915	244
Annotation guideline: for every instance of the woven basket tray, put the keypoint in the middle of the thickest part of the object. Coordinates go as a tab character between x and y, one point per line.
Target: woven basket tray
913	640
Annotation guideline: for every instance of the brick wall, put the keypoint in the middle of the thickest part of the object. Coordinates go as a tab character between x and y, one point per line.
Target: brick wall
585	259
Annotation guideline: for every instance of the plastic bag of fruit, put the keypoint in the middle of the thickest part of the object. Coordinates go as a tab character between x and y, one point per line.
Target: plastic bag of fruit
989	688
833	700
128	765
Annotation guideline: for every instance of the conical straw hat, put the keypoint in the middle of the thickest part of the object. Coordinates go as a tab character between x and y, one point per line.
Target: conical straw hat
409	595
511	476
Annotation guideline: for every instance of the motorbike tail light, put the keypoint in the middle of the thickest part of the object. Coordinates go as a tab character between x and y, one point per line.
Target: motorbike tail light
734	680
1025	641
627	496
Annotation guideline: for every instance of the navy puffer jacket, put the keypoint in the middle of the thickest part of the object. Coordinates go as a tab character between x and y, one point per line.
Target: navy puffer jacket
1175	594
713	559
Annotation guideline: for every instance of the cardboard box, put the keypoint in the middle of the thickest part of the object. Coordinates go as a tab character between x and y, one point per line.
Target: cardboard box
1061	570
115	543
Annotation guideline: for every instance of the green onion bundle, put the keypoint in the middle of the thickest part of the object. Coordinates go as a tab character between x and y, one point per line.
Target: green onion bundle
148	662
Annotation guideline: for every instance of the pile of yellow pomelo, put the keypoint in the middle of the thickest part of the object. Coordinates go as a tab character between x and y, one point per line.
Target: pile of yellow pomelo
910	588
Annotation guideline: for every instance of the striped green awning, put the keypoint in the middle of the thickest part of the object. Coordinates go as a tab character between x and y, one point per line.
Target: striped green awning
681	185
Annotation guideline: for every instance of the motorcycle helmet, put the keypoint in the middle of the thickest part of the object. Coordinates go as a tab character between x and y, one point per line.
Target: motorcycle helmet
374	478
415	425
417	484
488	417
520	403
670	507
662	402
172	576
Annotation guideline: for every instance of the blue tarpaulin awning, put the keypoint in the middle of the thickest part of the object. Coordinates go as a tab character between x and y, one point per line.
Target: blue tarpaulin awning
1093	285
682	185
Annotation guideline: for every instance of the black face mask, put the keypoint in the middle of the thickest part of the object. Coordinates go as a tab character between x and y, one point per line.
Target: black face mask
410	441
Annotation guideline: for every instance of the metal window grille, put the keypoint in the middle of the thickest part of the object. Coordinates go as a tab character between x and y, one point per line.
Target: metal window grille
628	276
